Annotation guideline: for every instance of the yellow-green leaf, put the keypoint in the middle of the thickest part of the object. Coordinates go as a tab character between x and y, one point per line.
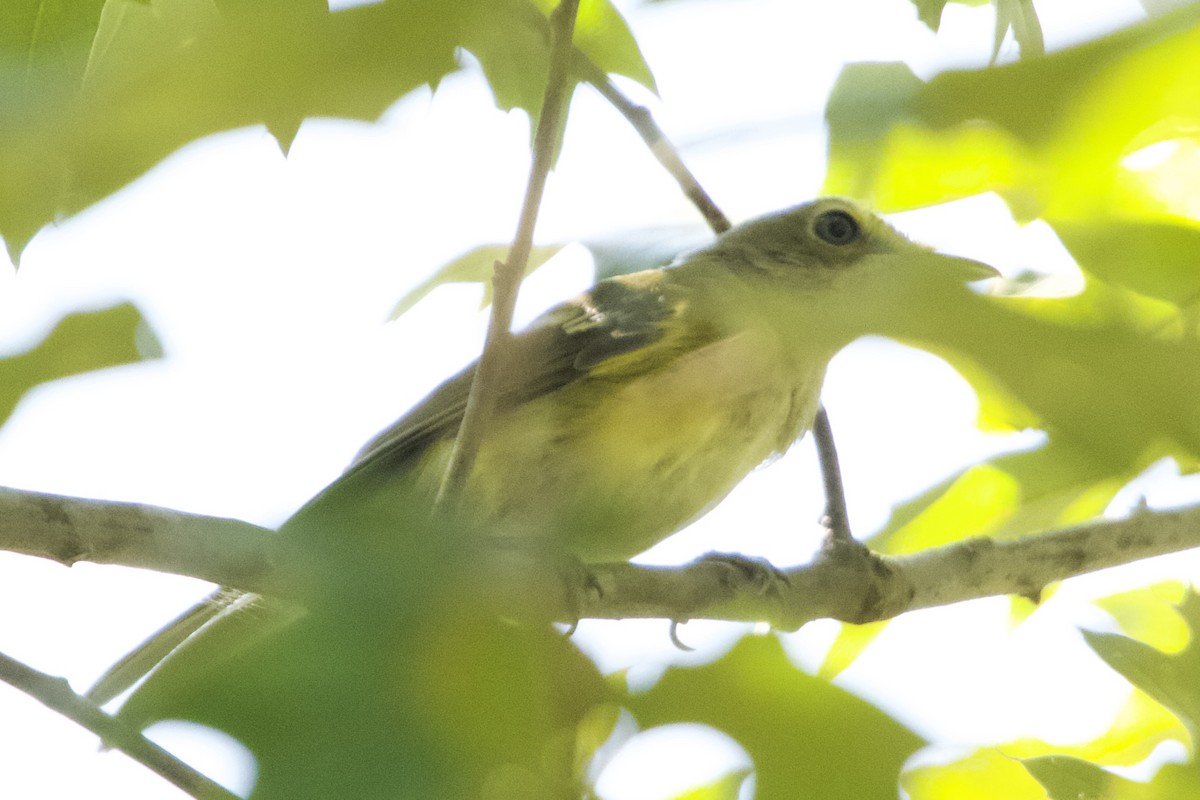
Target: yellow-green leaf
795	727
1168	678
80	342
475	266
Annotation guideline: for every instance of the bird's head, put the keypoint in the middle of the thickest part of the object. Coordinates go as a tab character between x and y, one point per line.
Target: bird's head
834	266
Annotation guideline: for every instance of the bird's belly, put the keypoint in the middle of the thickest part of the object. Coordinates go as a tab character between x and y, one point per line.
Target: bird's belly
610	478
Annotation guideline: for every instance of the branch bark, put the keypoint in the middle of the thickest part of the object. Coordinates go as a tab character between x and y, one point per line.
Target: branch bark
72	529
56	694
845	582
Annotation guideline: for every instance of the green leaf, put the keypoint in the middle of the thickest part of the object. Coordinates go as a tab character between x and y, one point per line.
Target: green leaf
986	774
621	254
727	787
930	11
1168	678
38	36
1155	257
160	76
475	266
396	680
604	37
1093	370
1067	778
1150	615
1004	498
80	342
1047	134
1020	17
850	643
806	737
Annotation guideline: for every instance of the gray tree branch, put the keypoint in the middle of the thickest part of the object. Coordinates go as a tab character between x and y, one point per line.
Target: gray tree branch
845	582
72	529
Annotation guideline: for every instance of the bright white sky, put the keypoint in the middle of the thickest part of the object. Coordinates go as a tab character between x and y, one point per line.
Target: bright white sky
268	281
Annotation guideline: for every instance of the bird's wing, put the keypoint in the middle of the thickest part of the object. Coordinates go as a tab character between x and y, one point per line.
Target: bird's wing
640	314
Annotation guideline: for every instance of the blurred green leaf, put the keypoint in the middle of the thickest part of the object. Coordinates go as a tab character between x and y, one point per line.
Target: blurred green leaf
1150	614
930	11
1139	727
986	774
1067	778
727	787
397	680
1168	678
1095	372
604	37
620	254
1001	773
38	36
1092	370
80	342
850	643
1004	498
806	737
1047	134
1159	258
475	266
1174	781
160	76
1020	17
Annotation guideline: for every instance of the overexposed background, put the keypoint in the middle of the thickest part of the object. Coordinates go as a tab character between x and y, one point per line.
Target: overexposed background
269	280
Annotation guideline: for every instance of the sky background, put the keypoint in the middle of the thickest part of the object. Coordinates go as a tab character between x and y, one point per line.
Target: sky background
269	281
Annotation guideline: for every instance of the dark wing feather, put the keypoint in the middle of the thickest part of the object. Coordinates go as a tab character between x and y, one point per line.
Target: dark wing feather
615	317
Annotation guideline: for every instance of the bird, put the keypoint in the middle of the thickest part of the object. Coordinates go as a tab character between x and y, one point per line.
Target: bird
629	411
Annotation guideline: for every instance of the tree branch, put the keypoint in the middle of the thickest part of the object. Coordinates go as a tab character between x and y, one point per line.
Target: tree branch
507	276
845	582
56	694
853	584
71	529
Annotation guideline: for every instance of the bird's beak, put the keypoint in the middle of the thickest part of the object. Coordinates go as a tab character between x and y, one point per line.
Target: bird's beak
967	269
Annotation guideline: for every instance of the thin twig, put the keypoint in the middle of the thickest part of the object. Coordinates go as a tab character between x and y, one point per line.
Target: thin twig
836	518
667	154
56	694
507	276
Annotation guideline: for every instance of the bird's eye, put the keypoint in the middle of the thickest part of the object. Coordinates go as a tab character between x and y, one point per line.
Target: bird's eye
837	227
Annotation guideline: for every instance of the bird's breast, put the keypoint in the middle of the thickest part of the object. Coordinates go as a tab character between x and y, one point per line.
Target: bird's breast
612	469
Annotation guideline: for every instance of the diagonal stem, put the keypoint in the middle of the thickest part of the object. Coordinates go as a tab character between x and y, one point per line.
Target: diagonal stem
836	518
481	402
660	146
57	695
